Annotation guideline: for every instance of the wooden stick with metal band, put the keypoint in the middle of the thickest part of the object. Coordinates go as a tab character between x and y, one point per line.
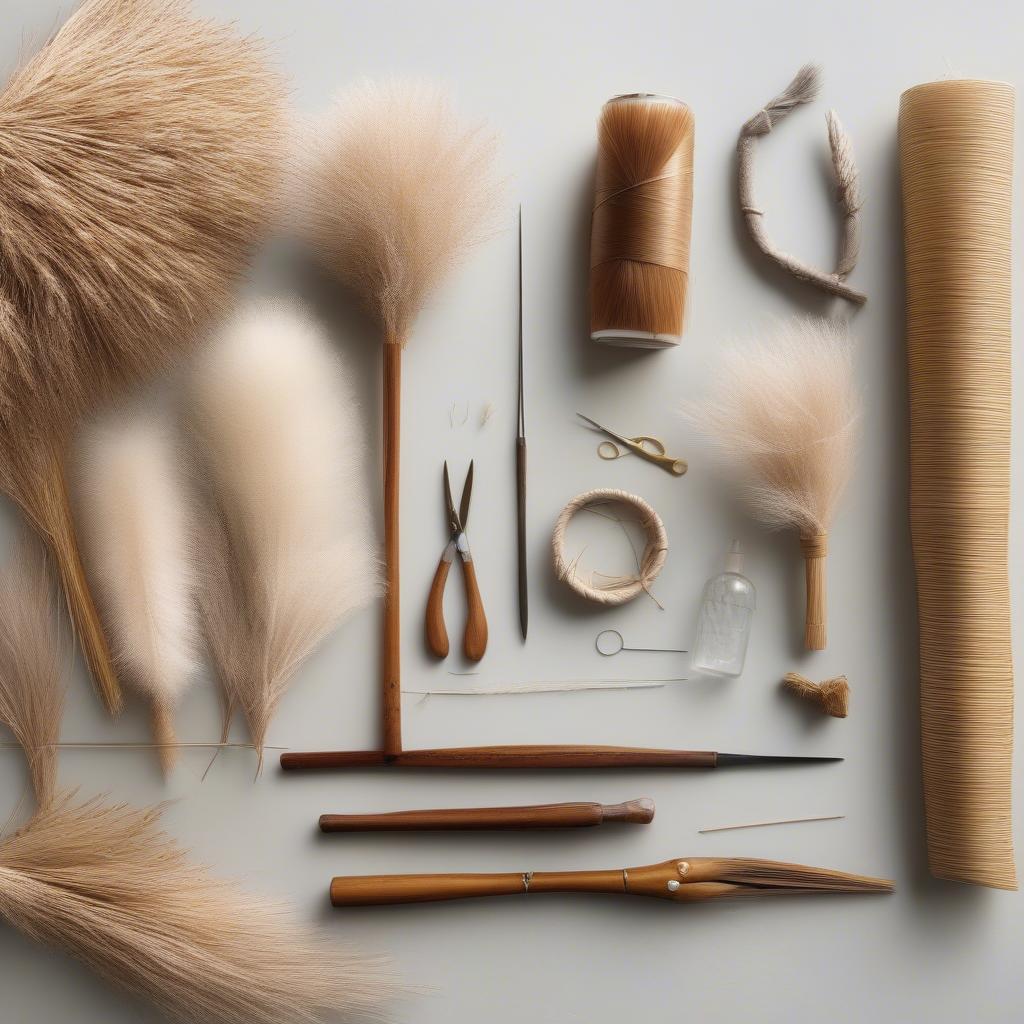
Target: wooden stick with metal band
569	815
689	880
536	756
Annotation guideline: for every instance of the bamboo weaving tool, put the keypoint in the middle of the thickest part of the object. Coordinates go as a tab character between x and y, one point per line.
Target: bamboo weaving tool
691	880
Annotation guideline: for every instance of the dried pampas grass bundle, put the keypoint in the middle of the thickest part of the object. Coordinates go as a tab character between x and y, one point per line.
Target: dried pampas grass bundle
31	696
140	155
398	192
104	883
136	525
289	550
784	412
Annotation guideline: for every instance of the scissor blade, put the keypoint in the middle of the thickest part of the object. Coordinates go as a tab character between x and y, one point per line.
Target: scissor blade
605	430
453	516
467	493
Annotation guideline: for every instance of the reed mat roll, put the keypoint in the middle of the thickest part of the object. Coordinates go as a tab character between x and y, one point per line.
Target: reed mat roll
956	156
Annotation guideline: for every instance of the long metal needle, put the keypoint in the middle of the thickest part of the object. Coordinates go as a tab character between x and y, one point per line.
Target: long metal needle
524	611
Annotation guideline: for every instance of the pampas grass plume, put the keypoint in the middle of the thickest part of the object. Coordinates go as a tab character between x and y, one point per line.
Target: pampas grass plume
140	161
398	191
136	522
784	413
103	883
289	551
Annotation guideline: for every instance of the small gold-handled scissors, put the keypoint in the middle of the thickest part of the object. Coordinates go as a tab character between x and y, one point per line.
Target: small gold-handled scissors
650	448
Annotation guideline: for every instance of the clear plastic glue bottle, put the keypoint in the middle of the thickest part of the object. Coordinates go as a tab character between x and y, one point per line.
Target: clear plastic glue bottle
726	614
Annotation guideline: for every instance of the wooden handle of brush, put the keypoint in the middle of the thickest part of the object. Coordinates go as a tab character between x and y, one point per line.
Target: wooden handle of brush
524	600
437	634
538	756
474	643
391	661
378	890
815	550
568	815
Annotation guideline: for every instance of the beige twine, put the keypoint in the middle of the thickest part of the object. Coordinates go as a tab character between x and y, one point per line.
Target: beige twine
616	589
803	89
956	163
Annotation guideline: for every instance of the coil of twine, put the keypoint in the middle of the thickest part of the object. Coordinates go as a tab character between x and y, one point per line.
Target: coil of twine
640	232
956	146
616	589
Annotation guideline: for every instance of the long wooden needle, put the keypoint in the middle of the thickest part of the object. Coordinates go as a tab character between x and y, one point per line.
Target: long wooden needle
524	610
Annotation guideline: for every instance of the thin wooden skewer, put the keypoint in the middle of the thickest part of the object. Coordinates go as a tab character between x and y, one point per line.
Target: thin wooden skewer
761	824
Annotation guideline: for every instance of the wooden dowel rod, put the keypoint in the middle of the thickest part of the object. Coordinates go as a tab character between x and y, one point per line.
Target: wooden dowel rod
533	756
566	815
391	656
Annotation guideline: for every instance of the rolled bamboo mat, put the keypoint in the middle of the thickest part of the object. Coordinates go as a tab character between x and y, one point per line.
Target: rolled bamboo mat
956	148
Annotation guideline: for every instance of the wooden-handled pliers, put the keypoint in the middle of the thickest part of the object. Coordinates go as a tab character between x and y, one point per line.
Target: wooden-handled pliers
474	642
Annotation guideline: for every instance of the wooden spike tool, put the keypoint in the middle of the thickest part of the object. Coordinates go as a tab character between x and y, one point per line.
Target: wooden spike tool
541	756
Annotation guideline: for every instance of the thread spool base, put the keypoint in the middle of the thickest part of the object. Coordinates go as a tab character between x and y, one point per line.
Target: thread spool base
634	339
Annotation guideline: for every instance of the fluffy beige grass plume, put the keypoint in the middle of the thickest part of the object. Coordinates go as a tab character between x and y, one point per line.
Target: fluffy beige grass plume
136	526
140	158
784	412
289	550
398	191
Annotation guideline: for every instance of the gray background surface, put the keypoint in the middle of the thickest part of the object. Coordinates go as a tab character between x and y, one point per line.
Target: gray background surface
540	71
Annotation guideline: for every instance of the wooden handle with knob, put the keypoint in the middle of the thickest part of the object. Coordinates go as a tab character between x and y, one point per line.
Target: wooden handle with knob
437	634
474	644
815	550
566	815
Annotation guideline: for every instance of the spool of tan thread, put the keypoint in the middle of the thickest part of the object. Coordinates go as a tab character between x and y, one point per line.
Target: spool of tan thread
640	233
956	156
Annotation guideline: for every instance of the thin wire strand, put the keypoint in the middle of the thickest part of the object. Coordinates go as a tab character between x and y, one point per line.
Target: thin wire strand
764	824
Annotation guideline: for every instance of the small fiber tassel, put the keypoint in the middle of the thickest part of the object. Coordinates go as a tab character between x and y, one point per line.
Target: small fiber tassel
832	696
